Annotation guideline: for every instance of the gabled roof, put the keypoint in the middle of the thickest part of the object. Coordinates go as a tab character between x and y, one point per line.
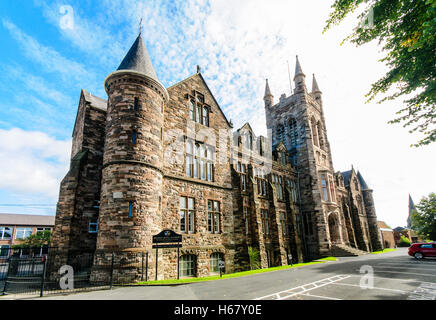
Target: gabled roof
138	59
210	92
362	182
248	127
95	101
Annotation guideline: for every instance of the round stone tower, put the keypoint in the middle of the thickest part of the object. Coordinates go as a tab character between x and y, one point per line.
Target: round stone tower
130	206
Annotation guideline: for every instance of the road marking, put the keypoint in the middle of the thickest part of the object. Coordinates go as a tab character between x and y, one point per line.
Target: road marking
389	267
426	291
393	279
418	274
302	289
316	296
377	288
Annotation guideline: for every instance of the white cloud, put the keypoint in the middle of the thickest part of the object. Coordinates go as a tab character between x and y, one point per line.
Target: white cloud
32	162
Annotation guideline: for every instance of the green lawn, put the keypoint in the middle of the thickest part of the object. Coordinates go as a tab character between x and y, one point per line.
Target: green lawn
384	251
228	276
328	259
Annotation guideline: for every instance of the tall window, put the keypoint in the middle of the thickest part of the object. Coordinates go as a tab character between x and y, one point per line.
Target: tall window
130	209
242	170
314	132
332	189
246	219
293	132
324	188
293	190
277	181
23	233
199	161
320	134
134	134
187	265
187	215
249	141
265	221
198	110
215	258
261	182
213	216
283	223
5	233
136	104
280	134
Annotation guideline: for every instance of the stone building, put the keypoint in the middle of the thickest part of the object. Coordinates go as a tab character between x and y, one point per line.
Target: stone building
152	158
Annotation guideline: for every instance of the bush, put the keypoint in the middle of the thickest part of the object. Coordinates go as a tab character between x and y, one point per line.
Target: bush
254	258
404	242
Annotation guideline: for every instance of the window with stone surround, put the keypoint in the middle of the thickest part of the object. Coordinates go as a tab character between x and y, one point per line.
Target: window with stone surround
199	161
246	218
265	221
280	133
277	181
324	188
262	183
215	258
188	265
314	128
292	190
93	225
332	189
198	110
293	132
213	216
187	215
241	168
283	223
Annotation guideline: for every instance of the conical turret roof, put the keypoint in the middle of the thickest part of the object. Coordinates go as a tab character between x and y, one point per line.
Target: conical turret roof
138	59
298	69
315	87
267	90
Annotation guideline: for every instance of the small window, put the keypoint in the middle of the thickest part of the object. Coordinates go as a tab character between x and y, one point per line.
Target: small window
188	265
5	233
213	219
134	137
215	258
93	225
4	251
187	215
130	209
136	105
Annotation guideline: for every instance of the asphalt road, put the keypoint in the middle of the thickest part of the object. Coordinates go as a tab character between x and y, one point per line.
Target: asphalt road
388	276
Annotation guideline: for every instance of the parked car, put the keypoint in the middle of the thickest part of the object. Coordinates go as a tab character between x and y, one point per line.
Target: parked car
421	250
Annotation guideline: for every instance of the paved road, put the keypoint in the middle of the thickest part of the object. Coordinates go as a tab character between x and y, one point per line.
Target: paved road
395	276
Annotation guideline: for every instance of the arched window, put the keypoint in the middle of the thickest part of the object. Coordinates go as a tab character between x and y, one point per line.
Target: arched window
320	134
188	265
293	132
280	133
314	132
215	258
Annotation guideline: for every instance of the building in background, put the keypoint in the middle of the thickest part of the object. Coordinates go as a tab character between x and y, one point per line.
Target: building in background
411	210
387	235
14	227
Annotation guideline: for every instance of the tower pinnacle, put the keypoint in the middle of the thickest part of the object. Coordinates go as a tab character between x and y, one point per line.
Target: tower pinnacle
315	88
299	78
268	98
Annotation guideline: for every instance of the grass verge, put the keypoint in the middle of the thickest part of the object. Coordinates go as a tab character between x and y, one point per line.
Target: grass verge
328	259
226	276
384	251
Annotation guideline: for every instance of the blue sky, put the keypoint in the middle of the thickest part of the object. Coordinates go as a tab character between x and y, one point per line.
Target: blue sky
53	49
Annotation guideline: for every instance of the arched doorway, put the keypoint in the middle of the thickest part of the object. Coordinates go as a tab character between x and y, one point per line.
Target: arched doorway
335	236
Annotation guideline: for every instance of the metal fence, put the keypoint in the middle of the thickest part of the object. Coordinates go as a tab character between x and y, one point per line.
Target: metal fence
46	270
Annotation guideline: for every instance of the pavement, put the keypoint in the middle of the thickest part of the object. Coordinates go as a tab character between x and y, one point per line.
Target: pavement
388	276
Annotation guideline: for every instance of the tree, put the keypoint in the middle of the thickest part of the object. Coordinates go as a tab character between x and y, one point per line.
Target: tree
39	239
423	218
254	258
406	29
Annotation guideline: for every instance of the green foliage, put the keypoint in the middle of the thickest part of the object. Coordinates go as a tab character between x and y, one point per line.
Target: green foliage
35	240
423	218
254	258
406	29
404	242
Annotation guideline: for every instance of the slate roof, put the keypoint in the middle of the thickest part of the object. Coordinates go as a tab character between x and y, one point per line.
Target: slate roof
362	181
95	101
347	176
26	220
138	59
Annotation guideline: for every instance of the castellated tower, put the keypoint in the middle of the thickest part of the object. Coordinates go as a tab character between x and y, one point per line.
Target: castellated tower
131	192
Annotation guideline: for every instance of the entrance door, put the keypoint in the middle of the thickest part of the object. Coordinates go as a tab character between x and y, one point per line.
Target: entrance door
334	228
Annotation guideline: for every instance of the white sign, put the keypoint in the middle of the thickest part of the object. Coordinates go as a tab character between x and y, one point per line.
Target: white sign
221	264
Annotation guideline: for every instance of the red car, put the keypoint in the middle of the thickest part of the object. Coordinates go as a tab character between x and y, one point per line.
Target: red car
421	250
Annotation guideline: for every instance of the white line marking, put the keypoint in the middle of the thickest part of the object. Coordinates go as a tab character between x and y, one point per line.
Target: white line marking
377	288
318	284
418	274
390	267
322	297
393	279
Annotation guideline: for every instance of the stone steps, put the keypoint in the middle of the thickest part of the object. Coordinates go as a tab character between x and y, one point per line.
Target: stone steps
340	250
